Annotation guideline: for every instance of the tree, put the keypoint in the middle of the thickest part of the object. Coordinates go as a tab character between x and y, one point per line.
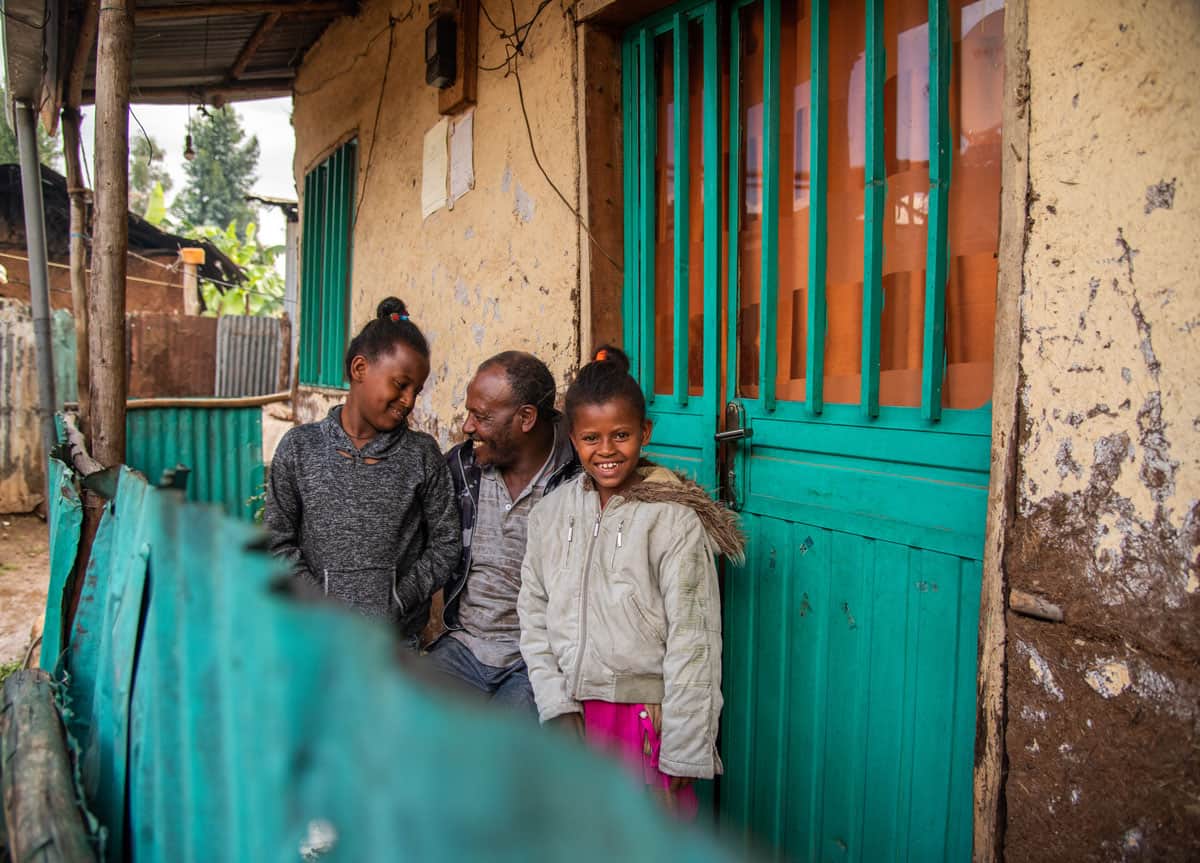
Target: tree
221	174
146	169
262	292
49	151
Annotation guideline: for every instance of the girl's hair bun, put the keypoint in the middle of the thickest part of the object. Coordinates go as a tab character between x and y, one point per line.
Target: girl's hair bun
391	306
610	354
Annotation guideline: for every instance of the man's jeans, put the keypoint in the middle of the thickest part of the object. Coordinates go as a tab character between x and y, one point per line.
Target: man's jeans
506	686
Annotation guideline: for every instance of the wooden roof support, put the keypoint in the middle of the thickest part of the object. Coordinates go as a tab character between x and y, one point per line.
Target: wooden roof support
252	45
214	94
83	53
145	14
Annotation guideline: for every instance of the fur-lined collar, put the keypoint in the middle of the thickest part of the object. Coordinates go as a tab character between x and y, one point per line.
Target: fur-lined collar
662	485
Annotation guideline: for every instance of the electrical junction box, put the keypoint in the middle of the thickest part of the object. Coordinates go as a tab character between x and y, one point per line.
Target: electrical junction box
441	48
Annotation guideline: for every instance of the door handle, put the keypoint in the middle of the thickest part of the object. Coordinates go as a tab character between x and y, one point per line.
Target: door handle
733	434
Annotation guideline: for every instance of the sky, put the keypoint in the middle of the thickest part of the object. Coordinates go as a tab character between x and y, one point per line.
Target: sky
267	119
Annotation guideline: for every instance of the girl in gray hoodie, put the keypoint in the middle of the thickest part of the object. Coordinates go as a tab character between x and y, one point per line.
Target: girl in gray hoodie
359	504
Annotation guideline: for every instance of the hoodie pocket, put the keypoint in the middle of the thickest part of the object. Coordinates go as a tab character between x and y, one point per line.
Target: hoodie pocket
368	590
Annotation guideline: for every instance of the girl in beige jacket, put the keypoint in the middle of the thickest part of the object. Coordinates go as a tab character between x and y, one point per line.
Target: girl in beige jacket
619	606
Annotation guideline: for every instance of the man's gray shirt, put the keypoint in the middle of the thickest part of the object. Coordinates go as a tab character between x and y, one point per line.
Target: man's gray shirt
488	608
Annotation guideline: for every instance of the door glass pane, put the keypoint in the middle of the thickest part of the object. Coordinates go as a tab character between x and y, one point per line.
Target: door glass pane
976	97
795	72
664	215
844	199
905	222
696	208
751	185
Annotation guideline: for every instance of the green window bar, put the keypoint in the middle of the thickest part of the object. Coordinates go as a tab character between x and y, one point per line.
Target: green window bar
934	358
310	279
768	342
682	285
735	167
874	203
648	116
712	199
814	372
629	179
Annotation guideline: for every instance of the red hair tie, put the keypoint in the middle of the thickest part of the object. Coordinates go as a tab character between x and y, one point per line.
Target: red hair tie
601	355
396	316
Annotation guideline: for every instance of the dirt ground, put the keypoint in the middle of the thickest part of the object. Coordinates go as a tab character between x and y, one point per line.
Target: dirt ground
24	579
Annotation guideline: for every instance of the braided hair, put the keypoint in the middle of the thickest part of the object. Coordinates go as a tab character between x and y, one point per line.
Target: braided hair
605	379
390	326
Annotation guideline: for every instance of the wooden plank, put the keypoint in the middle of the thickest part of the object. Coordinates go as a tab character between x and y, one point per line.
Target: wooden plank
679	378
814	371
934	354
876	68
769	290
991	683
463	92
631	175
40	810
732	301
265	26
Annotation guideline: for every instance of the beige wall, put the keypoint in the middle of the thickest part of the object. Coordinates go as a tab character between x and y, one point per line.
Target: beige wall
1102	709
501	269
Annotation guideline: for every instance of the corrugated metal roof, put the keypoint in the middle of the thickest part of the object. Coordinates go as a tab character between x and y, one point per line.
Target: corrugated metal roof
196	56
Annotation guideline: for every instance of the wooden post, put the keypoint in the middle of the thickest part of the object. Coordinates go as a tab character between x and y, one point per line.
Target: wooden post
44	822
192	257
110	243
71	120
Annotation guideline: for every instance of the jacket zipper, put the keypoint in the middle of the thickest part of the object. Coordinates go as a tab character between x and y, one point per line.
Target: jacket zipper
446	600
583	598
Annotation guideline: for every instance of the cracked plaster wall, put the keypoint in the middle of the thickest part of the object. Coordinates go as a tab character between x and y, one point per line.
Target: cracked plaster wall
501	269
1102	709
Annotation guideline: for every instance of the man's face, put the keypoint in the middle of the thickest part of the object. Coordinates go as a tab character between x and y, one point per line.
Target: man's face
493	421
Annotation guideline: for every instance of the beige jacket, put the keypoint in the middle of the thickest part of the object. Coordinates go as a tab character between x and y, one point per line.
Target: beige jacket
623	606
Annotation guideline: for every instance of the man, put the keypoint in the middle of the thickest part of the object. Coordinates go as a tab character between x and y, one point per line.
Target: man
516	451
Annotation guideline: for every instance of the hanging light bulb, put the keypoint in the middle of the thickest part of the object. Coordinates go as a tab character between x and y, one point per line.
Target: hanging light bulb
188	152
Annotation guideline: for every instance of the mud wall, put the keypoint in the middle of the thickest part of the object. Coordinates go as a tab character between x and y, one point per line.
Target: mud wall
501	269
1102	712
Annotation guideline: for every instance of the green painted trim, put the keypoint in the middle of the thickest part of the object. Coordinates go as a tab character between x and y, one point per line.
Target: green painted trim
814	371
648	210
936	266
682	211
711	400
735	198
876	178
310	295
972	422
631	319
768	339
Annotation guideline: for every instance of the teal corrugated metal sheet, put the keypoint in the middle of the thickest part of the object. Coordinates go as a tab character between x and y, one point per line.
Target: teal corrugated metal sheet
222	720
65	521
62	335
221	445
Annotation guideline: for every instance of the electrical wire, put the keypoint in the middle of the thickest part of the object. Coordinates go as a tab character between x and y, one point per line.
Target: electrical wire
515	47
387	66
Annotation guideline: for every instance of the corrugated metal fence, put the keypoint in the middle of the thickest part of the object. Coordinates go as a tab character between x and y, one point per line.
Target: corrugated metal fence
248	356
220	719
220	445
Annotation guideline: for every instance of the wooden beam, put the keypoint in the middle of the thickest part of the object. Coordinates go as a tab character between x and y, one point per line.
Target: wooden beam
110	244
216	95
252	45
232	10
991	687
78	194
40	808
83	53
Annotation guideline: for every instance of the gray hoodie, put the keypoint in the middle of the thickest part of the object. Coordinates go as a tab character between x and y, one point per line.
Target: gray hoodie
375	527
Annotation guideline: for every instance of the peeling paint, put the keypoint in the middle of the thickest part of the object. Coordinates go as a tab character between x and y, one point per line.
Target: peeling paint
1109	679
1041	671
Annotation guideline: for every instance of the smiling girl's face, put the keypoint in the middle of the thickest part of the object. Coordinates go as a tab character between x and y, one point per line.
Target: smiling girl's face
609	438
386	388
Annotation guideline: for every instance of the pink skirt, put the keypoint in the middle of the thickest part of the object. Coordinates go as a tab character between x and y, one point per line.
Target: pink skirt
625	731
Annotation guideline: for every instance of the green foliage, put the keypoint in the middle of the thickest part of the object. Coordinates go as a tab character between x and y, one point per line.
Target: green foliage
49	151
221	174
262	293
147	171
8	668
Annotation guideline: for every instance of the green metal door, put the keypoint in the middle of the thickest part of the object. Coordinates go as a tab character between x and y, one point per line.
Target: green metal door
848	187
